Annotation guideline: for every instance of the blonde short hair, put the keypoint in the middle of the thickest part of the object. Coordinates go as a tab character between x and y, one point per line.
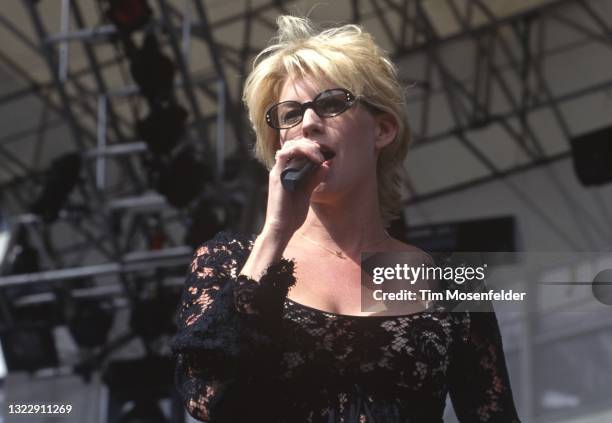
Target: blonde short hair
348	57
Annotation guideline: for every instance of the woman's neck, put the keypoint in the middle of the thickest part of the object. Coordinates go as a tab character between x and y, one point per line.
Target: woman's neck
352	226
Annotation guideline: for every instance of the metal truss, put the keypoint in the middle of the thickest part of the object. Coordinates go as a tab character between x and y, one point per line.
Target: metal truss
104	236
503	85
508	57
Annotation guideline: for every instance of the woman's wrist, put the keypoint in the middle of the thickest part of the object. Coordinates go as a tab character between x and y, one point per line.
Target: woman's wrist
274	236
267	249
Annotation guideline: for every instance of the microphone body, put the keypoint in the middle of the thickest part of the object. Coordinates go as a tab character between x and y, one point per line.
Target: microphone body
298	170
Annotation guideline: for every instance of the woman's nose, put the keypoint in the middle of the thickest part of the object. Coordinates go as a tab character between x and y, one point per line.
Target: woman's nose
311	123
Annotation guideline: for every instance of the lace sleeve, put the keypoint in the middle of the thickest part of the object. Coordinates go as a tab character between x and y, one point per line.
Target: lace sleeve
225	324
479	383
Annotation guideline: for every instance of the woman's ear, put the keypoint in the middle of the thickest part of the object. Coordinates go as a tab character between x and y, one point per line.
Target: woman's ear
386	130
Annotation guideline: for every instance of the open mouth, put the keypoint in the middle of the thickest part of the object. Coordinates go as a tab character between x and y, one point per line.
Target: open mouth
327	153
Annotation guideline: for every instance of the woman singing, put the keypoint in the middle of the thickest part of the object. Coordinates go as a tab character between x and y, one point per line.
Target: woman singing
270	326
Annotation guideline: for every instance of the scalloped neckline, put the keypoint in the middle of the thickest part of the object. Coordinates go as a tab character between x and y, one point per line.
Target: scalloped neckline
355	316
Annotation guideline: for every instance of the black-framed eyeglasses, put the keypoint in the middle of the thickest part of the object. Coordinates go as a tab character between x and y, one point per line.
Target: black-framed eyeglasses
329	103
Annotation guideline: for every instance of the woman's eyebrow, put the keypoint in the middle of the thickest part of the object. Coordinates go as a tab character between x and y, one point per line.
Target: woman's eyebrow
293	98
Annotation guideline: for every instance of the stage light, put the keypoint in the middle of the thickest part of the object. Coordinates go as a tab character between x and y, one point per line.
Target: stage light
89	322
152	71
592	157
156	236
61	178
154	317
22	257
205	222
182	179
129	15
27	338
29	347
163	128
28	342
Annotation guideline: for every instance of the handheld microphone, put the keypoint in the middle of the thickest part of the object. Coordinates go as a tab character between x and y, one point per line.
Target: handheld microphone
297	171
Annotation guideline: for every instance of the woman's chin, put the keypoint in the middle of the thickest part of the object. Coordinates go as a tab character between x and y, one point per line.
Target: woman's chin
321	193
325	193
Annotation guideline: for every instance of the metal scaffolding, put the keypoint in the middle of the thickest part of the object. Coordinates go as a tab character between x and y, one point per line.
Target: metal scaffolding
500	84
508	55
504	84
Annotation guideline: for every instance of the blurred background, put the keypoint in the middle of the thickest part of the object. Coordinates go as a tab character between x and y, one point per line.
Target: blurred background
124	144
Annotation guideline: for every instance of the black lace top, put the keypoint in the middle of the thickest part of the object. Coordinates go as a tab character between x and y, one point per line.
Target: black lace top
245	352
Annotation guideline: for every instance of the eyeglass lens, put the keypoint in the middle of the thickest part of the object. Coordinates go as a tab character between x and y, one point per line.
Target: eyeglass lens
326	104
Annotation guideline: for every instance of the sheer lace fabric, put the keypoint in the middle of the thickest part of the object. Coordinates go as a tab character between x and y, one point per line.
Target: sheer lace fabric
245	352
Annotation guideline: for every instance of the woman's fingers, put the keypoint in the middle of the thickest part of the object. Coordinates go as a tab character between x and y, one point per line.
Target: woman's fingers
317	177
300	147
287	210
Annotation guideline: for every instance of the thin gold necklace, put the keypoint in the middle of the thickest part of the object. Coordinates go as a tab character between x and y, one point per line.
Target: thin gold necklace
339	253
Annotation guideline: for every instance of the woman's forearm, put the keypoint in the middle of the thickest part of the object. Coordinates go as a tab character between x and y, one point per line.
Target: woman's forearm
267	250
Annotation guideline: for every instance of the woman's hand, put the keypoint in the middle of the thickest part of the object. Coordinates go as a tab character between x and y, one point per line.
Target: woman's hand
286	211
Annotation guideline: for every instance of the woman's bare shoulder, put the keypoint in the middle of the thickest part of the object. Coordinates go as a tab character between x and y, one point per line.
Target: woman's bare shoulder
397	246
